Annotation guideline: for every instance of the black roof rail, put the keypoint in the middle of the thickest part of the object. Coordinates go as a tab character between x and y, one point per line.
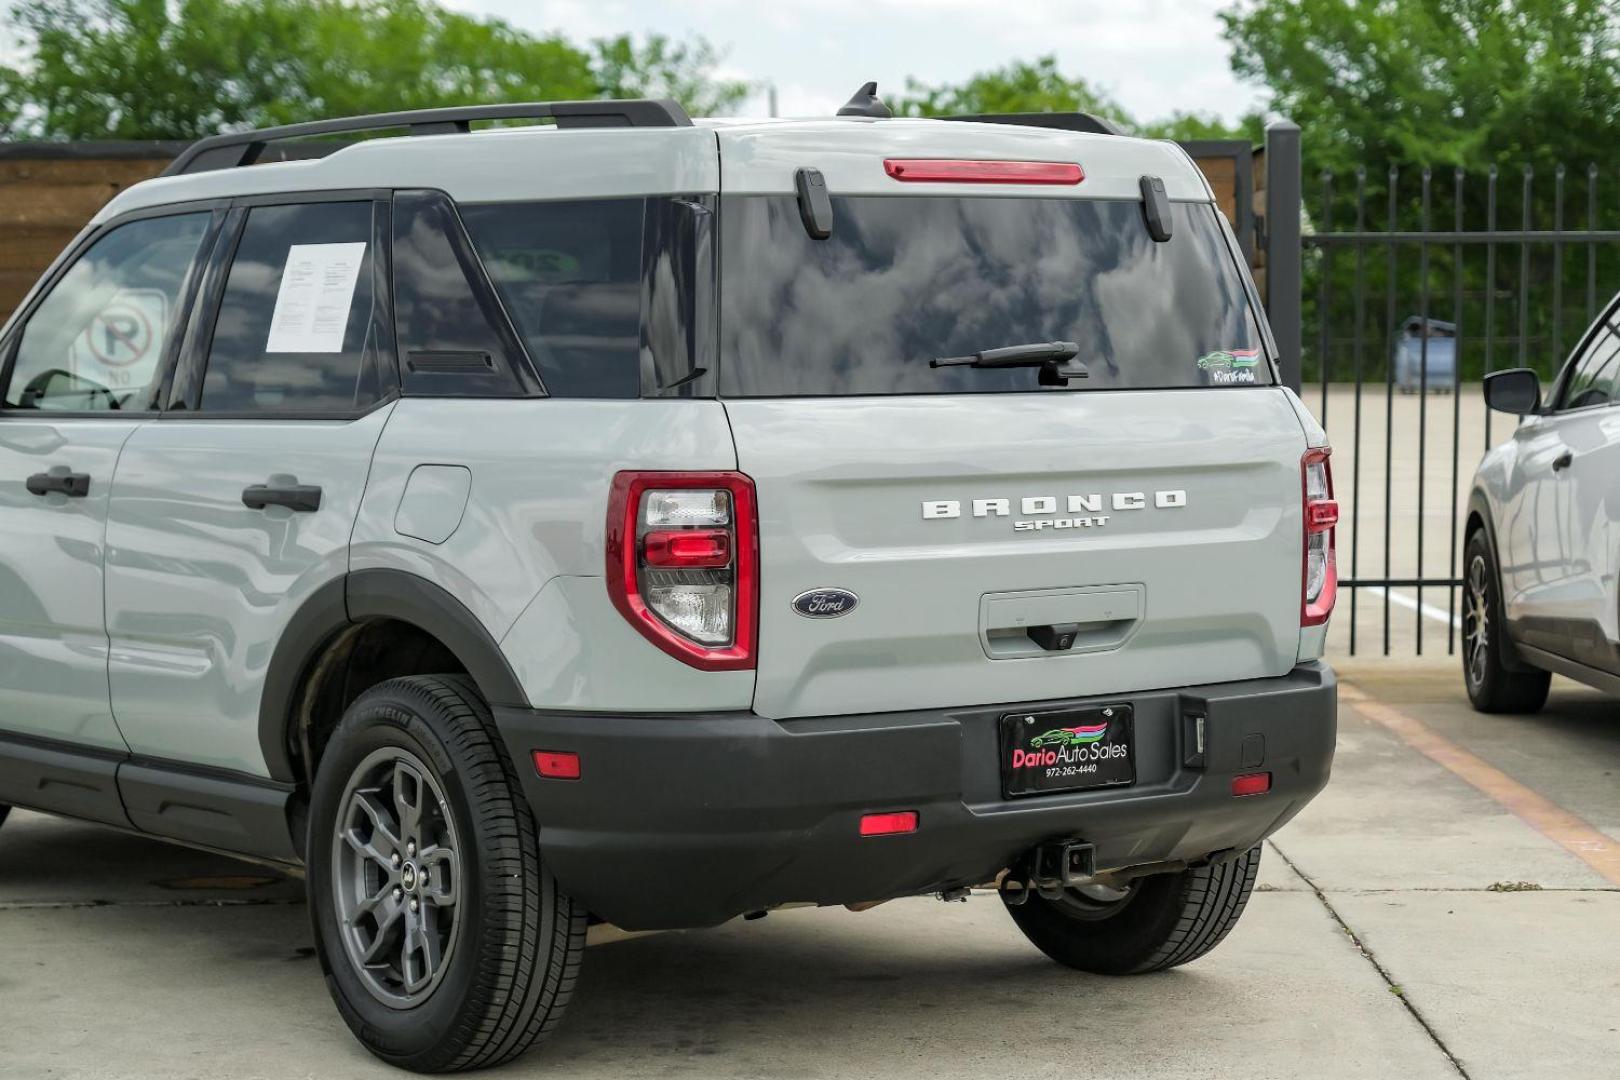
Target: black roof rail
1063	121
245	147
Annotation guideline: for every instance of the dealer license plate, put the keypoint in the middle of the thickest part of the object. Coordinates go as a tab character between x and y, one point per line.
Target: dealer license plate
1067	750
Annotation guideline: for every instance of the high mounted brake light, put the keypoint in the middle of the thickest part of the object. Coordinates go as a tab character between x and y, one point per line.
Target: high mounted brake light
1320	578
948	171
683	563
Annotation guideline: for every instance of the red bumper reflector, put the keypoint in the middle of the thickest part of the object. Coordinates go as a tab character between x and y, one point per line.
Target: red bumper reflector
692	549
1257	783
903	821
944	171
556	764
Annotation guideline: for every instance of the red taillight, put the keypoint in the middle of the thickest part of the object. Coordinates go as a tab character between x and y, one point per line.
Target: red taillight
903	821
1319	581
683	563
946	171
1321	515
1251	784
556	764
702	549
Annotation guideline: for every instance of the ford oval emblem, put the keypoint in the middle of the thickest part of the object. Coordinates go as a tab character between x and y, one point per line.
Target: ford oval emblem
825	603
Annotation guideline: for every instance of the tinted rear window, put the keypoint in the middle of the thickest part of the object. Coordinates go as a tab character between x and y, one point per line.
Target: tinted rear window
904	279
570	276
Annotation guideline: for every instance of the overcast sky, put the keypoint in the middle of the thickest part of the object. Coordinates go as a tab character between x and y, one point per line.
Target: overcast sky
1154	56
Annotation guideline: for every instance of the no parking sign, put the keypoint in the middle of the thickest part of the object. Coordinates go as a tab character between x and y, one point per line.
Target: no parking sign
120	345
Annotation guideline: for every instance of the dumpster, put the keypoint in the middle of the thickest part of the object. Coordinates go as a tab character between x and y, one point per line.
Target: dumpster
1411	354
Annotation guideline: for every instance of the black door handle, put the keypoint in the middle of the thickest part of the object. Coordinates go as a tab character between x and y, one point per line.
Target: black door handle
1563	461
302	498
75	485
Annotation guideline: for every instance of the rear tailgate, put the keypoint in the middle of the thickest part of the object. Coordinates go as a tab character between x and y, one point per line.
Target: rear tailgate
1151	509
1166	595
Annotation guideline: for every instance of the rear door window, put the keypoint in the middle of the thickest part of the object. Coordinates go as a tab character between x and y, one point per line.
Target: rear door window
298	328
904	279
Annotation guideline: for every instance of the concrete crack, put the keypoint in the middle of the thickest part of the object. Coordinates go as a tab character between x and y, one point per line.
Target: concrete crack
1471	888
1383	973
67	905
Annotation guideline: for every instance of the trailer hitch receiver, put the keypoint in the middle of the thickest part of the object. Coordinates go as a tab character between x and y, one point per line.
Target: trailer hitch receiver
1048	869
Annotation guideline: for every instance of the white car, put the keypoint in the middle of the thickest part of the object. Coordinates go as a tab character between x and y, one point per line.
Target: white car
1543	534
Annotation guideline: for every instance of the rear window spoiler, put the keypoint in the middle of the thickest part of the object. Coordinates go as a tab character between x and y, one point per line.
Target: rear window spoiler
1061	121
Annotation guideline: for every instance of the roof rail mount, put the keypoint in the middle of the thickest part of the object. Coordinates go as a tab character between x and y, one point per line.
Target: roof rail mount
239	148
1062	121
866	103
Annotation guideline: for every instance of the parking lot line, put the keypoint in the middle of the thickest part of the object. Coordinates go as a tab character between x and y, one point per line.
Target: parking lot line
1438	614
1571	832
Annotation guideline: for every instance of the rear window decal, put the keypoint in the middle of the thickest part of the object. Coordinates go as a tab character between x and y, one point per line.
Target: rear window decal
1230	365
1228	359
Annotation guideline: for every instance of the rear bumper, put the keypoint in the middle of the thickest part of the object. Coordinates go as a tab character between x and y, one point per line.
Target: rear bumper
689	820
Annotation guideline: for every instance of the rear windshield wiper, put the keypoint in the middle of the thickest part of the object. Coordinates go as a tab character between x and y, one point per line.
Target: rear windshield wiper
1052	357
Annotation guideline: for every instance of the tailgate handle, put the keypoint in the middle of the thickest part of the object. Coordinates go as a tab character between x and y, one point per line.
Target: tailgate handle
1043	622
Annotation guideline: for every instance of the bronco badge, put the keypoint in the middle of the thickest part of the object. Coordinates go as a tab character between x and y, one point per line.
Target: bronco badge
825	603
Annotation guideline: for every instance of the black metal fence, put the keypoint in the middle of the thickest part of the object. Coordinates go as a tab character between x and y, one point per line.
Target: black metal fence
1455	275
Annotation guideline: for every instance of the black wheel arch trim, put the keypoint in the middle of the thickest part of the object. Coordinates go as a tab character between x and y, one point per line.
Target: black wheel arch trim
228	811
1479	504
355	597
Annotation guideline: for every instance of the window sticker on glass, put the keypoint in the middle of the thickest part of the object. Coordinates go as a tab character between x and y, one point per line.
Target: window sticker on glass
119	347
312	304
1226	366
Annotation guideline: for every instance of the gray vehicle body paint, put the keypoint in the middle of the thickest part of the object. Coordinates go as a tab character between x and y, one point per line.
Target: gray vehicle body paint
501	503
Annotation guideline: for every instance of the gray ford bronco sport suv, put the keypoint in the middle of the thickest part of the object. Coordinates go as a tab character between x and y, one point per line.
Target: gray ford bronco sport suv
640	521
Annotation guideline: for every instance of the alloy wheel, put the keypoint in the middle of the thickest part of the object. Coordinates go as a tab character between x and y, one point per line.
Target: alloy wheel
397	877
1477	620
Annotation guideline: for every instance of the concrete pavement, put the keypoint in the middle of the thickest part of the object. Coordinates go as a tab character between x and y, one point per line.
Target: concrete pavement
1374	948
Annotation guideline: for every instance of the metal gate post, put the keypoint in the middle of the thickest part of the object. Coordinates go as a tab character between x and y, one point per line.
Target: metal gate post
1284	274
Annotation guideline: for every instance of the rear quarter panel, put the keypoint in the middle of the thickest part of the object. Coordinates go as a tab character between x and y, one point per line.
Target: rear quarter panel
527	555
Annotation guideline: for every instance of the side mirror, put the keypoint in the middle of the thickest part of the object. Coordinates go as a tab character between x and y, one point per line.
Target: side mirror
1517	391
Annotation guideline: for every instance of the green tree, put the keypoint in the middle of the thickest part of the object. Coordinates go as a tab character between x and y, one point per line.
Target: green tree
1386	90
1022	86
10	107
1039	86
1190	126
1465	83
181	69
659	67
